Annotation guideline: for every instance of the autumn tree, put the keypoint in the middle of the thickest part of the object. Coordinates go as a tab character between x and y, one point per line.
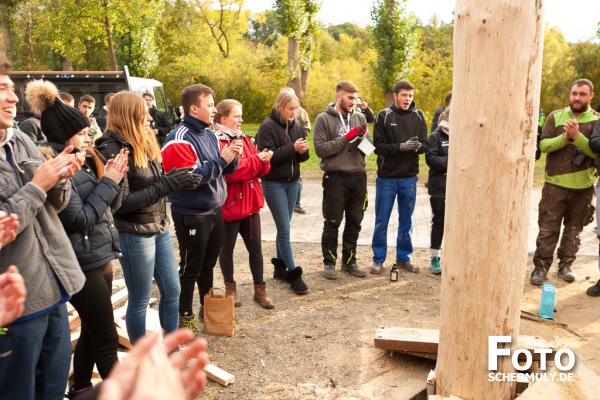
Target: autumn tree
394	39
296	22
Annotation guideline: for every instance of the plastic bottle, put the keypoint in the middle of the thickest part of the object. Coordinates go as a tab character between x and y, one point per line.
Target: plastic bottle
547	300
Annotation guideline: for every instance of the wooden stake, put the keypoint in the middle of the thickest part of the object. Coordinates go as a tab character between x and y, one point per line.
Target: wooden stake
494	111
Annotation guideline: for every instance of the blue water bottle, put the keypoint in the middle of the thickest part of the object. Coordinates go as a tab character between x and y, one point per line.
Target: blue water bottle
547	301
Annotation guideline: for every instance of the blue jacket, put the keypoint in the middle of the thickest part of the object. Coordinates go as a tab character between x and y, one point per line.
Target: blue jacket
193	144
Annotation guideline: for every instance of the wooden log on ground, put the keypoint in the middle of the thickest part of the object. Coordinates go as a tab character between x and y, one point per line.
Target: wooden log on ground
497	76
218	375
424	343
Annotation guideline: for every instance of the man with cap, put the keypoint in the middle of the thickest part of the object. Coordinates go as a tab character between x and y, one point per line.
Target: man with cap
35	350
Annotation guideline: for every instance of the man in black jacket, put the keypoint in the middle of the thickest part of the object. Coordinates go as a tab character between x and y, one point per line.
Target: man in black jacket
160	124
400	135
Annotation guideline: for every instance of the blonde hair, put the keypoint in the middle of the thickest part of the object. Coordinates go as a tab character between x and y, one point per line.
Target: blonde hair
285	97
126	120
445	116
225	107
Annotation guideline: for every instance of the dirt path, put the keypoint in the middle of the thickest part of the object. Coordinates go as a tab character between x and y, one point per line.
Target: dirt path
320	346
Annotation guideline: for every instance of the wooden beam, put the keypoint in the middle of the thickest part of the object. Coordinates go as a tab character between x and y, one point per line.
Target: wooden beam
218	375
424	342
119	297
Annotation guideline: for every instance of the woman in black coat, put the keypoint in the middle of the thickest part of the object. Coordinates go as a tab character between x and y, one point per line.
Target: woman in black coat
88	221
437	160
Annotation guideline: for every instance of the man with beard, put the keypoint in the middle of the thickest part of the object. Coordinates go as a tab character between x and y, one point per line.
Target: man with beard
400	135
569	182
338	132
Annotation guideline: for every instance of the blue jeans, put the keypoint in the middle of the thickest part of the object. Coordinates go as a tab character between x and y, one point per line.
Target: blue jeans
144	257
386	191
35	357
281	198
299	192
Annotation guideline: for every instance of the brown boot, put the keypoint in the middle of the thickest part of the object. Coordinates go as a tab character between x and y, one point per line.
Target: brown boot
232	291
260	296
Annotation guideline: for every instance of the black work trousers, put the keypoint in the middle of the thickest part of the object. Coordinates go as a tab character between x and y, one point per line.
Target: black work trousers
344	195
438	212
199	238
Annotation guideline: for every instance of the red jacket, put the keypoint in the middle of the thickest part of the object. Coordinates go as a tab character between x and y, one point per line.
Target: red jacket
244	192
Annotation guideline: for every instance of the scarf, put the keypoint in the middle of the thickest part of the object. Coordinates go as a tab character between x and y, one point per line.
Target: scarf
228	131
445	126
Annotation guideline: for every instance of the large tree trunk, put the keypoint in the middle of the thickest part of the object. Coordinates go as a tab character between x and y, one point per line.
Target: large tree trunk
294	64
496	88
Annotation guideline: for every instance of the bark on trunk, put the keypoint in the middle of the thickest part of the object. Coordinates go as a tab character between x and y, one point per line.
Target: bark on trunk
66	64
496	87
111	50
294	64
4	30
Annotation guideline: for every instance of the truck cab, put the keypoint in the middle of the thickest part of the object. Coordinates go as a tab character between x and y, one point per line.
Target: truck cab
95	83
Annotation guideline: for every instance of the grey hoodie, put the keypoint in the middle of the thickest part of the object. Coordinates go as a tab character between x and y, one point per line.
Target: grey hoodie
336	153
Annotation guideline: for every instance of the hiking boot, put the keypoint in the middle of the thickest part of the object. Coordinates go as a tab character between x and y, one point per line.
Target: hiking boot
231	290
566	274
436	265
377	268
260	296
594	291
294	276
538	276
74	394
407	266
280	269
330	272
190	322
299	210
354	270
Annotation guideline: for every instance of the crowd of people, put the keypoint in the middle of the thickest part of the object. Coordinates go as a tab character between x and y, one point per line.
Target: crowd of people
80	192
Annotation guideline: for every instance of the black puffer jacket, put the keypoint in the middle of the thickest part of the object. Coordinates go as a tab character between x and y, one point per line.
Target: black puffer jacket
143	208
280	138
437	160
88	219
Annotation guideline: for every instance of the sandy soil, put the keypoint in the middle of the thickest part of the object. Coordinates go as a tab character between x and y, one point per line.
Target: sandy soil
320	345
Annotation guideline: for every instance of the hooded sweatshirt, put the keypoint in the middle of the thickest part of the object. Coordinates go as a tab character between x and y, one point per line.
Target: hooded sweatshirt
394	126
336	152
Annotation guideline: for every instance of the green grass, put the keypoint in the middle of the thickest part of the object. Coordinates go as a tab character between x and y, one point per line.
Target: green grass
310	168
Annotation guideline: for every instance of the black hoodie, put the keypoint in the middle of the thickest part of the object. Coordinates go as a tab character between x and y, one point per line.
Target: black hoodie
392	127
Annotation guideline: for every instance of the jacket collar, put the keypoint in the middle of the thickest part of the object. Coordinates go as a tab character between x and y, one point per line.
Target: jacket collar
195	124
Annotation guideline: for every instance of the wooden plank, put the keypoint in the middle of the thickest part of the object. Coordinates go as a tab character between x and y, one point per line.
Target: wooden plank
70	308
218	375
424	342
74	320
408	339
152	321
431	383
118	283
119	297
119	313
124	338
75	337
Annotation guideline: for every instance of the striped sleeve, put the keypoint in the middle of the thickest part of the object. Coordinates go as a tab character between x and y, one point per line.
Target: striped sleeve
178	152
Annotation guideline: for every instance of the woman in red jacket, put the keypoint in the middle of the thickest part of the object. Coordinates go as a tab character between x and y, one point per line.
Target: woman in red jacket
244	201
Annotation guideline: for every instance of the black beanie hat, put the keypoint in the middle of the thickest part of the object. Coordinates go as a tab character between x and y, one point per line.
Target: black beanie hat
59	121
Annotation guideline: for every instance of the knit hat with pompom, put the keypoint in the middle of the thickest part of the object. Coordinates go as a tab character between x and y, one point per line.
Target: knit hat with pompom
59	121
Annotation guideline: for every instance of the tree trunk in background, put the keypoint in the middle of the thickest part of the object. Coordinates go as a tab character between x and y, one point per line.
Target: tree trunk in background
66	64
496	88
4	30
294	65
111	50
304	82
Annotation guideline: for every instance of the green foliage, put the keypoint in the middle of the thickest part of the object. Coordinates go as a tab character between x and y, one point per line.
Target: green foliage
348	29
394	39
557	71
263	28
432	67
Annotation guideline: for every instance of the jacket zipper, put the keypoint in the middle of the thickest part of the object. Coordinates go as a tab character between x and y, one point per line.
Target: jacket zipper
238	197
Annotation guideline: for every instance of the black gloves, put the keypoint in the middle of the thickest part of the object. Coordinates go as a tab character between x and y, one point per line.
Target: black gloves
182	178
411	144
